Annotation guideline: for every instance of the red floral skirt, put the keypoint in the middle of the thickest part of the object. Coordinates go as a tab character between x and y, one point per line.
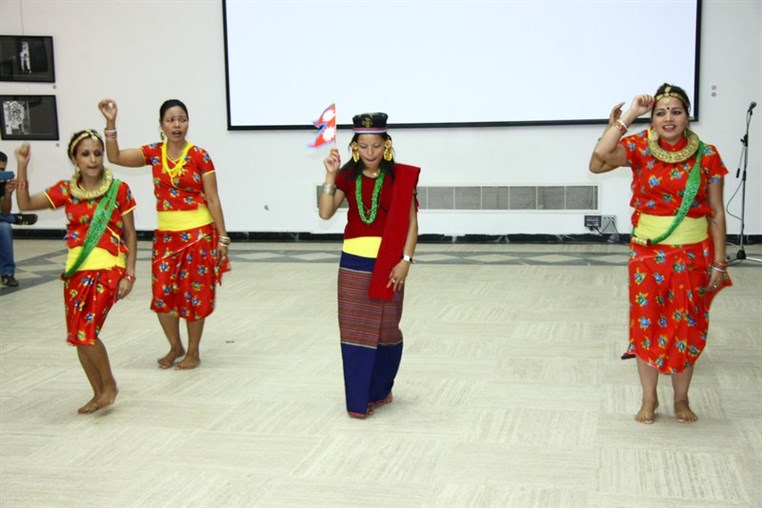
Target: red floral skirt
88	298
669	303
185	271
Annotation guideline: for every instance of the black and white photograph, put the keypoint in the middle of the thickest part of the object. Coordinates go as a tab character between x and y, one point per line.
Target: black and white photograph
27	58
28	117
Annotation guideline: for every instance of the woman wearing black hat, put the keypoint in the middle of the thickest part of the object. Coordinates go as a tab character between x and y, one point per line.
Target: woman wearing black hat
379	243
677	264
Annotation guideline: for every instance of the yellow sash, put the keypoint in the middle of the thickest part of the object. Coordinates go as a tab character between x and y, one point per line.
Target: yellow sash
689	231
363	246
99	259
181	220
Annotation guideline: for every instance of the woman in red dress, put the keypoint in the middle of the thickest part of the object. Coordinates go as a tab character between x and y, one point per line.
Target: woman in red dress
379	242
190	244
100	236
678	259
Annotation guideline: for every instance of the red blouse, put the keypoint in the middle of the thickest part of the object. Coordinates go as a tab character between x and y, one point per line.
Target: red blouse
658	187
79	213
184	191
355	226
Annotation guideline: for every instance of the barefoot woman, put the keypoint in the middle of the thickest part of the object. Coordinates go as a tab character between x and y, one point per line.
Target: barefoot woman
678	262
190	245
100	268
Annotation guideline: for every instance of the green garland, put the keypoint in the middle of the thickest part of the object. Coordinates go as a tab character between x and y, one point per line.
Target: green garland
368	219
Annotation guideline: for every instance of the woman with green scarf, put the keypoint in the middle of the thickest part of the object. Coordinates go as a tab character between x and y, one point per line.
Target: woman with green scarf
100	236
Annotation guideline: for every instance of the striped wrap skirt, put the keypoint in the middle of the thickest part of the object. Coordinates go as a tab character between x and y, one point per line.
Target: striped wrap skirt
371	340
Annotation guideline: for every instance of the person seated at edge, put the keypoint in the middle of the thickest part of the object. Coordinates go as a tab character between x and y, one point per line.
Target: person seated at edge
102	243
678	261
190	245
379	242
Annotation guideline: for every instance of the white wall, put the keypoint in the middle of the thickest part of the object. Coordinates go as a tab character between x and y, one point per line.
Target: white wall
143	52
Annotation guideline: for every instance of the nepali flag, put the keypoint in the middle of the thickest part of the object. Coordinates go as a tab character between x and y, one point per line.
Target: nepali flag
327	125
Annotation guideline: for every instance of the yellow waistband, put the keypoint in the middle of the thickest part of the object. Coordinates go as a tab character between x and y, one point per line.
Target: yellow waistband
690	230
99	259
364	246
180	220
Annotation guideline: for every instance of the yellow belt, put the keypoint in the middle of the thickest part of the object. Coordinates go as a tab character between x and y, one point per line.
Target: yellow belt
181	220
689	231
363	246
99	259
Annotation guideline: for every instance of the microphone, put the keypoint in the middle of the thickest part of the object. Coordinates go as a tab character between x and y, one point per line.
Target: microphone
751	106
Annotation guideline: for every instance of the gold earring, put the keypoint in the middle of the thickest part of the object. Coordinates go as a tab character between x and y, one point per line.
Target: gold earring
388	154
161	135
355	152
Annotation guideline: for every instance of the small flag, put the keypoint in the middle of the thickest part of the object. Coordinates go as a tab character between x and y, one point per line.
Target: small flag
327	125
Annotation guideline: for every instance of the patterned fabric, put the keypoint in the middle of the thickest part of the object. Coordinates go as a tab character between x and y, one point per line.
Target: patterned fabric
184	272
184	268
371	340
669	303
185	191
657	187
88	298
90	294
79	214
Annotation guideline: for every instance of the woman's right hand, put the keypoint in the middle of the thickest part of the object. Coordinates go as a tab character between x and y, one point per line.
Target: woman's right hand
332	163
642	104
109	109
23	154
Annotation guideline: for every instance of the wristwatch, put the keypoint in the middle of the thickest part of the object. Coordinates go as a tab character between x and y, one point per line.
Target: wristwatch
407	258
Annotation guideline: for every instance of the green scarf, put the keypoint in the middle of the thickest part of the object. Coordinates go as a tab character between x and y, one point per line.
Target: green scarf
101	218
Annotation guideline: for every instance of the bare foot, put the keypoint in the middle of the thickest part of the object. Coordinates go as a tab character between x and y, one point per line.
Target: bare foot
188	363
168	360
107	397
89	408
374	405
359	416
683	412
647	413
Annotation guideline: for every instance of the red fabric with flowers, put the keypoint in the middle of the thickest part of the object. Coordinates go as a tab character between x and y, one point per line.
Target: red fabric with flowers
185	191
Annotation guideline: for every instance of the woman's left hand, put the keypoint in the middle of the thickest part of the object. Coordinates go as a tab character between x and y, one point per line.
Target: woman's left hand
222	254
398	276
124	288
716	279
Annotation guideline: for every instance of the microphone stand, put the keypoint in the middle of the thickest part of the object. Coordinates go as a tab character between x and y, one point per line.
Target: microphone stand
741	254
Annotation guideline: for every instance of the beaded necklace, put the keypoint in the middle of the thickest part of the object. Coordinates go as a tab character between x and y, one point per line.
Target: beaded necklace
180	161
368	215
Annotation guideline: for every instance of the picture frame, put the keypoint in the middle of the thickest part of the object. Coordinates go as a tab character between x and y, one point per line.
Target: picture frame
27	58
28	117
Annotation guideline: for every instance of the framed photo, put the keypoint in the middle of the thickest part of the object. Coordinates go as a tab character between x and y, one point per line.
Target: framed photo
27	58
28	117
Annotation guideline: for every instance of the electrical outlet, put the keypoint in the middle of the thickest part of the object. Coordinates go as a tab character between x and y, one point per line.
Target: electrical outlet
592	221
608	224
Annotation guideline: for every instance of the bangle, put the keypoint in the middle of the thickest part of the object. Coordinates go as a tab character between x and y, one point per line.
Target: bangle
109	133
22	184
129	276
329	188
223	241
620	126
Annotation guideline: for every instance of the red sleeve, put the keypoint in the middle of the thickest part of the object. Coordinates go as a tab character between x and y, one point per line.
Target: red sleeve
58	194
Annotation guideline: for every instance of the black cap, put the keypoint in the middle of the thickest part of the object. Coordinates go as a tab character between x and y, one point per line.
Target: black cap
369	123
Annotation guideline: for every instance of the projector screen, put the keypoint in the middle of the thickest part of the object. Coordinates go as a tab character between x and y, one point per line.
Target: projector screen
452	63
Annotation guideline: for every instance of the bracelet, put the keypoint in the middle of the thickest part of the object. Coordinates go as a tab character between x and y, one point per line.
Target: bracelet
223	241
22	184
109	133
329	188
408	259
130	276
620	126
719	269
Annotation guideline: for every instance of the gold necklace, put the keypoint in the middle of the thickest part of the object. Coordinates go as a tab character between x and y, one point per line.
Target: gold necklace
84	194
672	157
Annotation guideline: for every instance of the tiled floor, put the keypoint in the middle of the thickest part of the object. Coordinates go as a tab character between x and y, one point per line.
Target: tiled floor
511	392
